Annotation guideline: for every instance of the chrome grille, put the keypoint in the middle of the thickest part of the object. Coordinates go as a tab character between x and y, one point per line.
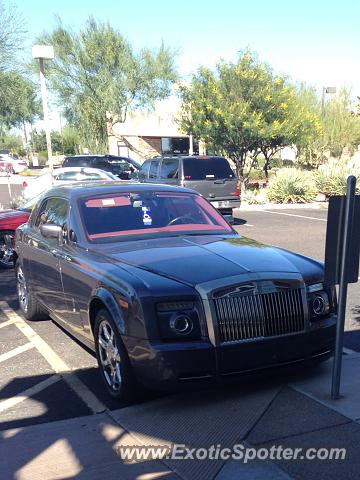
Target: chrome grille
243	317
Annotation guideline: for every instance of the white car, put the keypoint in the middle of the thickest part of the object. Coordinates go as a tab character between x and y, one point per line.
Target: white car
11	165
35	186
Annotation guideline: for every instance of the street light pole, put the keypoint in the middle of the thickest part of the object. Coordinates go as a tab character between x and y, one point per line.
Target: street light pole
43	52
325	90
46	112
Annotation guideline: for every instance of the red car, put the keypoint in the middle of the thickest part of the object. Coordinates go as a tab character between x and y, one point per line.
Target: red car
9	221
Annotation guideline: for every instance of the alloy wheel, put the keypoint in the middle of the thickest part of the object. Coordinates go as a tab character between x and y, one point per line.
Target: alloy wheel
109	356
22	290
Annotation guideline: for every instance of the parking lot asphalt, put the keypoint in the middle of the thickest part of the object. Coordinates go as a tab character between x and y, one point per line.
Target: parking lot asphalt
4	192
47	376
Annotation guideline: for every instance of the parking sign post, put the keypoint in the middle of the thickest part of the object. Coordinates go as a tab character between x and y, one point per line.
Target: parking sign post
343	285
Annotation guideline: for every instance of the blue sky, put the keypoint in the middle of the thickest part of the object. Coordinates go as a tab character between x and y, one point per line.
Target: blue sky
313	41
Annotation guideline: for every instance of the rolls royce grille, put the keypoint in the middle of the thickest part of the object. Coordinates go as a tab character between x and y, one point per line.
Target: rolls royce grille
244	317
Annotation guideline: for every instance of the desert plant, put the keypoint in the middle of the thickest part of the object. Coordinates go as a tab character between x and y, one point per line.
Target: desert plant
255	197
332	180
292	186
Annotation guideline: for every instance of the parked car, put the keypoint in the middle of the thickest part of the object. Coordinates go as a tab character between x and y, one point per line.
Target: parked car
210	176
9	164
10	220
165	291
123	167
35	186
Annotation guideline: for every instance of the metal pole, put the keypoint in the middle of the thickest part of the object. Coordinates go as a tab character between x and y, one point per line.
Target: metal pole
191	145
323	102
46	112
343	286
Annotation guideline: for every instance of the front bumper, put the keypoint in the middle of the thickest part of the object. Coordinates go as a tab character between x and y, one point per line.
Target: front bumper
173	366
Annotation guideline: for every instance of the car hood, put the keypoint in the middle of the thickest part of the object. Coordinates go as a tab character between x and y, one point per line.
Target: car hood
198	259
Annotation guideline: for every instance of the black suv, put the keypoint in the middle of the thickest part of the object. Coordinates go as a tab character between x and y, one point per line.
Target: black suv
211	176
123	167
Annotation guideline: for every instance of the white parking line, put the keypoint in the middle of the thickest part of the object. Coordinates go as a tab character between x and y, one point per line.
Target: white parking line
29	392
56	363
6	324
294	215
16	351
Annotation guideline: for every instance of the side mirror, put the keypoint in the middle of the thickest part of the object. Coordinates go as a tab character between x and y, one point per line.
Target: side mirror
51	231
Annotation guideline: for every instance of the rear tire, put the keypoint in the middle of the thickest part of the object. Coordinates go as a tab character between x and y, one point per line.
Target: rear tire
30	307
114	364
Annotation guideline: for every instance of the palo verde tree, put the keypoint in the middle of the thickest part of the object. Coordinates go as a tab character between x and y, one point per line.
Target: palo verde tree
18	101
98	78
12	31
242	109
18	104
341	128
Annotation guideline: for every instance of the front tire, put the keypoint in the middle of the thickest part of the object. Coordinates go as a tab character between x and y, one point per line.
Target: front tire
30	307
114	364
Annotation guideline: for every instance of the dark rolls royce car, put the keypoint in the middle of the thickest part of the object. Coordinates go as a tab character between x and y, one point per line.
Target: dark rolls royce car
165	291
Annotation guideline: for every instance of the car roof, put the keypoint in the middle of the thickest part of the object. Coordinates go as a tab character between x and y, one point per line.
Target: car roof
76	190
96	155
187	157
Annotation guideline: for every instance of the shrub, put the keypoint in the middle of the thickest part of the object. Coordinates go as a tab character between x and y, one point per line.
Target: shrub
332	180
255	197
292	186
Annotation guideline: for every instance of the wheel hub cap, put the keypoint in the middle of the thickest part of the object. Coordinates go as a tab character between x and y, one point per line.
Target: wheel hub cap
109	356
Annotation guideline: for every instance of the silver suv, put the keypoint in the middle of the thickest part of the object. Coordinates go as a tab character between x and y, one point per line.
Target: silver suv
209	175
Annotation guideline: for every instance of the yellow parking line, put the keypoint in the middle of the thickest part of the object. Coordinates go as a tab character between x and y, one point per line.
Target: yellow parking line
56	363
29	392
16	351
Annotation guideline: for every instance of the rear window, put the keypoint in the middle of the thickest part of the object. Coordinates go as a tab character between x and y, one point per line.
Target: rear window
79	176
77	162
150	214
206	168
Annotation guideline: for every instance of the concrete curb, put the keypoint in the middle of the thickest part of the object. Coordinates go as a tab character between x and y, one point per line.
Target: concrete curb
282	206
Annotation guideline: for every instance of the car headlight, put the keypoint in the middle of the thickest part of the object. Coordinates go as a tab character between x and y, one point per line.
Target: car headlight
179	321
321	301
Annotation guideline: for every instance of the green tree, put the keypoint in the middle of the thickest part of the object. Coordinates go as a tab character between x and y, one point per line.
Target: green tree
99	78
70	140
295	120
243	109
341	128
12	142
12	31
38	141
338	129
18	101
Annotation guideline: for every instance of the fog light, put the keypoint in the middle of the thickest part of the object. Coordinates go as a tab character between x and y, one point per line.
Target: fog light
181	324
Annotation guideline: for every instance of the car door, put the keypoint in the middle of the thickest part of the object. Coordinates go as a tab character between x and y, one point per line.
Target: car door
44	253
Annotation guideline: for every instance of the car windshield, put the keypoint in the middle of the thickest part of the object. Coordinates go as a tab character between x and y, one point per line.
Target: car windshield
207	168
149	213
